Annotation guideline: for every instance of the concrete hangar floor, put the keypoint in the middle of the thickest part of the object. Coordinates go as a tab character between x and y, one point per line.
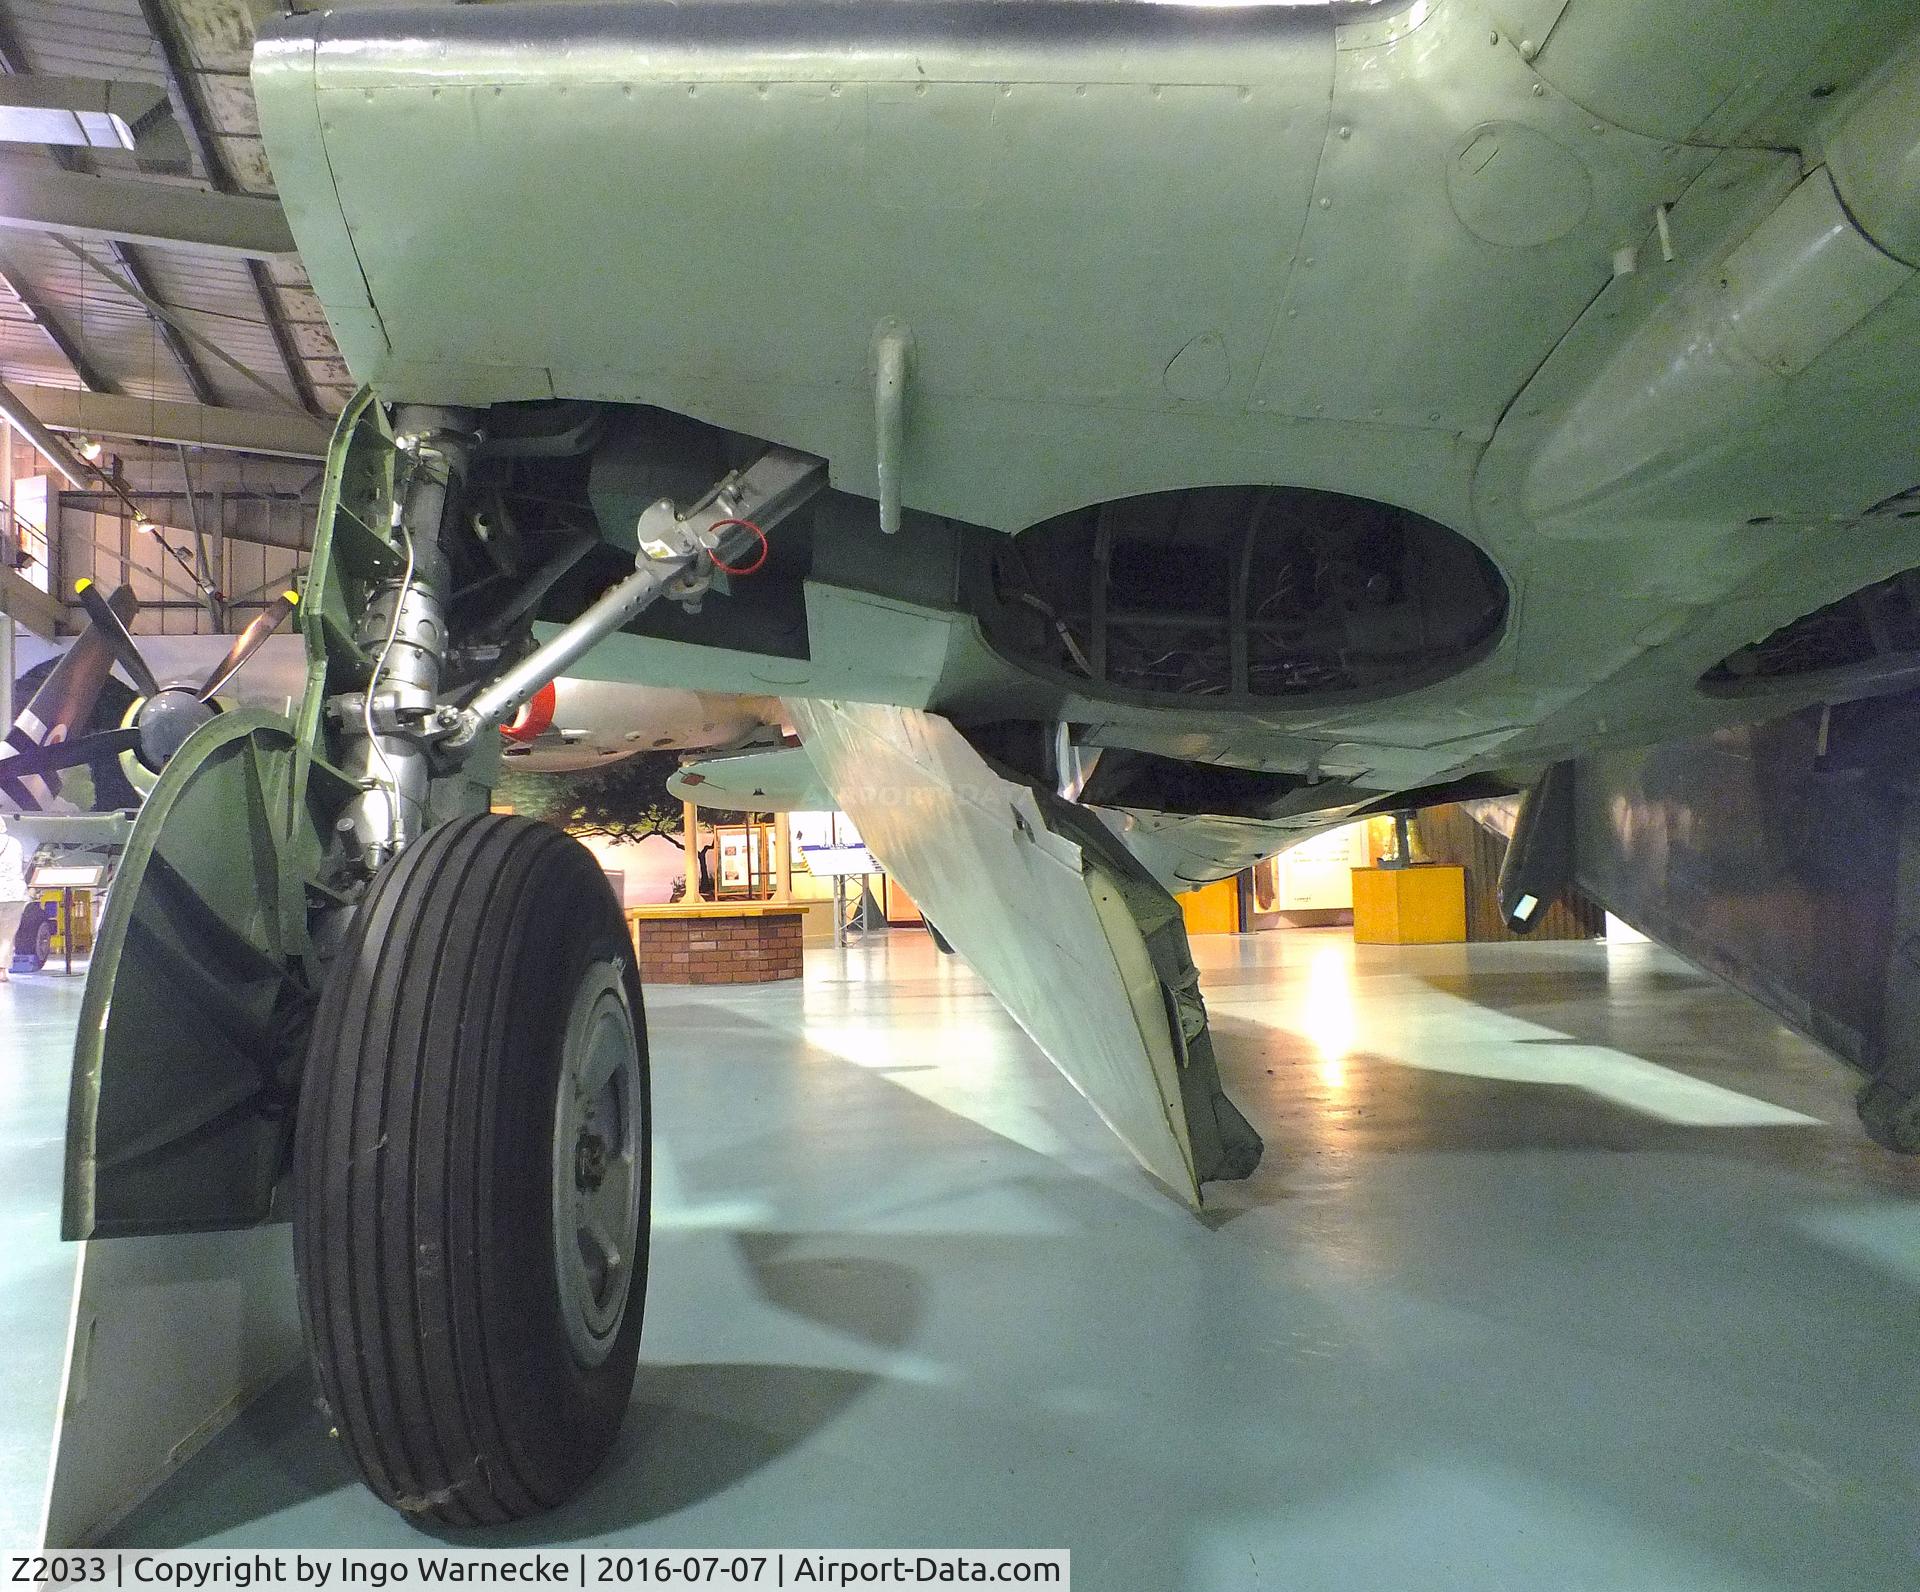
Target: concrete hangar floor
1566	1268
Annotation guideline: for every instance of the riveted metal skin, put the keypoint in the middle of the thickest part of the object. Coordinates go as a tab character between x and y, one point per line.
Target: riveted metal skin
1101	226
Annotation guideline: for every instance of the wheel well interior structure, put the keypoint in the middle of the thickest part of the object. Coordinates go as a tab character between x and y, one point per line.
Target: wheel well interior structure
1867	641
1256	593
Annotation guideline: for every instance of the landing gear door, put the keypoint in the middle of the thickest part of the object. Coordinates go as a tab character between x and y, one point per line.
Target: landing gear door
1039	917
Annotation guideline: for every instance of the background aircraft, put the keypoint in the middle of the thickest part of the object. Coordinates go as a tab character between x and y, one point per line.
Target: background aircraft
85	701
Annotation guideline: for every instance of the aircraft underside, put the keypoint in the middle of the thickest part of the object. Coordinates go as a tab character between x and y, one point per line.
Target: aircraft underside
1503	411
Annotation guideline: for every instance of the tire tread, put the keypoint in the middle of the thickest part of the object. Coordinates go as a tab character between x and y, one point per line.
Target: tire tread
394	1172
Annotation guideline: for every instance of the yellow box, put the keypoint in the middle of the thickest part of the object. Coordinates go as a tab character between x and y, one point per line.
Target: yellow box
1422	905
1213	908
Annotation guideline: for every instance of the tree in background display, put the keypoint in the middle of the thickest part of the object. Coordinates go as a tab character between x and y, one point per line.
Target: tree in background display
627	801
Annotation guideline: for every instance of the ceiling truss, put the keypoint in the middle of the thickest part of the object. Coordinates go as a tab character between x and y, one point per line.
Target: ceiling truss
127	263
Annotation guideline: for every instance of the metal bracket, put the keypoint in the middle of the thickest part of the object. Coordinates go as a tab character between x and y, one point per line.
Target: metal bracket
676	559
892	358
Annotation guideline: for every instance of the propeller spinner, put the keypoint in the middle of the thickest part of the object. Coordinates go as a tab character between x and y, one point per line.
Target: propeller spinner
42	740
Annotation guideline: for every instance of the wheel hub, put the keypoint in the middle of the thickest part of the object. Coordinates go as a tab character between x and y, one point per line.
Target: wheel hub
589	1163
597	1167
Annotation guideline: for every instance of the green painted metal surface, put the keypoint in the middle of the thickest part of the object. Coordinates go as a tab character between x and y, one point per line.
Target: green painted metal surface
193	1021
204	971
351	548
1412	253
782	779
1077	974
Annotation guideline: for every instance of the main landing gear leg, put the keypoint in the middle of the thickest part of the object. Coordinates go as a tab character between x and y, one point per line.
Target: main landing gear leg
329	983
470	1185
471	1175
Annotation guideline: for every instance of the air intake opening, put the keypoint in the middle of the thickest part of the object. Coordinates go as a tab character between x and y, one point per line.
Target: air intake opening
1869	640
1255	592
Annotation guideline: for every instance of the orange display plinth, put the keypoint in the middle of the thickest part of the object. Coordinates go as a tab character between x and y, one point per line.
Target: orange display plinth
1422	905
1213	908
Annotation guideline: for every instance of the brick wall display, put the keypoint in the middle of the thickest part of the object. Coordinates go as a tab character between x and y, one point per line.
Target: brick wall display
756	948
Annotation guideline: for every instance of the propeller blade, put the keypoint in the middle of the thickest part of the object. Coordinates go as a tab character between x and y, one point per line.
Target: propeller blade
117	636
247	643
67	696
43	760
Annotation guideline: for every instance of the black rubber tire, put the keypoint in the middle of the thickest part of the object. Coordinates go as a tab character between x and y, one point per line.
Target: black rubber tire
33	939
423	1176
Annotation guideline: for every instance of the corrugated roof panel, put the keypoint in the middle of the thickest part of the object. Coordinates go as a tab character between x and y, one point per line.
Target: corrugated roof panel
225	307
27	354
213	41
203	281
89	38
117	333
